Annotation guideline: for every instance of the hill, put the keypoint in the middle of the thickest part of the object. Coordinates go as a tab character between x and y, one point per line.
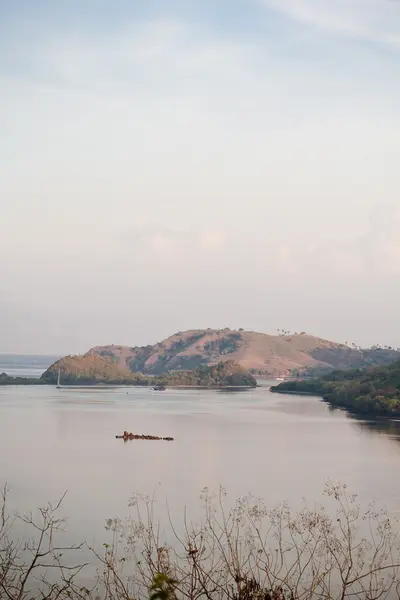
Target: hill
228	373
370	391
91	369
280	355
87	369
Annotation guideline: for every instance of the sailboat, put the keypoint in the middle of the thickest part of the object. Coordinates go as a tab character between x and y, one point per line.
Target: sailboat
99	386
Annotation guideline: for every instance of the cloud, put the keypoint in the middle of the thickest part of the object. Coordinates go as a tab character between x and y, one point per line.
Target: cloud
212	240
154	242
368	20
170	160
371	254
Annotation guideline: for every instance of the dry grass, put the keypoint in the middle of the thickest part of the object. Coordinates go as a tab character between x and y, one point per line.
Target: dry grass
275	354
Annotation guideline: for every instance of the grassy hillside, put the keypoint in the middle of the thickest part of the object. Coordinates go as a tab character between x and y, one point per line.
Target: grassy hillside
369	391
87	369
274	355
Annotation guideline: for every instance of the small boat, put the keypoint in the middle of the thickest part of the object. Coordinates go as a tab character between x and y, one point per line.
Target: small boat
280	379
159	388
95	386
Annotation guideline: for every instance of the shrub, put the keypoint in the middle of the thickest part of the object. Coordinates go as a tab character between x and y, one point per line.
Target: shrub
248	552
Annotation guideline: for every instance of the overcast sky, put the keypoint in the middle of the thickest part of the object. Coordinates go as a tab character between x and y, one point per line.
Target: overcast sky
167	165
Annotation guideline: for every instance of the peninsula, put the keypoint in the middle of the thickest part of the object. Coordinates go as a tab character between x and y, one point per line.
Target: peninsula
372	391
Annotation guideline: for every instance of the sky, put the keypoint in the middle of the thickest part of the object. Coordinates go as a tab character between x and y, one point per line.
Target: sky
198	163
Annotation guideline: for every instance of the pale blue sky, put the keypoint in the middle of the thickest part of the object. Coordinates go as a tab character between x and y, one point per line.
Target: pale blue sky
184	164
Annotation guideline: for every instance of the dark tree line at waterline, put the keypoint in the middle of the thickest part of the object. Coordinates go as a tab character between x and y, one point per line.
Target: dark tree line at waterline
371	391
92	370
8	380
247	552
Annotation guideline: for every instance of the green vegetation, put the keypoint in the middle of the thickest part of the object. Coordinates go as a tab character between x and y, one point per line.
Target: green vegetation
8	380
228	373
90	369
346	357
225	345
107	354
370	391
261	372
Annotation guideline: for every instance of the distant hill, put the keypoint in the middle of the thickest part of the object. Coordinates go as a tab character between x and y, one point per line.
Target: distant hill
274	355
90	369
369	391
87	369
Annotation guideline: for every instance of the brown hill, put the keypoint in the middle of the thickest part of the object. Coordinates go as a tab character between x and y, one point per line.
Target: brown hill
87	369
264	354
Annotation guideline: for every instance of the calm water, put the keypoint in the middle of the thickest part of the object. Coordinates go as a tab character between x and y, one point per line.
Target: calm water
19	365
277	447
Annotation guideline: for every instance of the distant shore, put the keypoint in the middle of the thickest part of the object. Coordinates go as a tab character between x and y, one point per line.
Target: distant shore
6	380
293	393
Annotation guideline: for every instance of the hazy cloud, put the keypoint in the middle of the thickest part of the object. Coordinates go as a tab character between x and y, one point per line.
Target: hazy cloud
369	20
169	172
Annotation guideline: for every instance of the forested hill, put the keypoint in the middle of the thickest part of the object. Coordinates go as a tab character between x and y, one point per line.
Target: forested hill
369	391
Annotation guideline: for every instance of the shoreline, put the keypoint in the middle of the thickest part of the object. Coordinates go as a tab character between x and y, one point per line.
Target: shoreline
100	386
358	414
293	393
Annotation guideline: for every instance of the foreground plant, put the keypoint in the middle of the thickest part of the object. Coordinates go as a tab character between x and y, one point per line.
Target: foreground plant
247	552
36	566
252	552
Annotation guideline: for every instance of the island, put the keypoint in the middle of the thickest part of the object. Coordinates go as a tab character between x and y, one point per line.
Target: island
372	391
89	369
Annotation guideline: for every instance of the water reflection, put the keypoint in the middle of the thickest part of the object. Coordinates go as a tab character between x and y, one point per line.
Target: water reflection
274	446
387	427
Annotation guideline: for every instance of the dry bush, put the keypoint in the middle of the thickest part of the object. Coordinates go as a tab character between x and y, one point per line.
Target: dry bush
248	552
36	566
252	552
